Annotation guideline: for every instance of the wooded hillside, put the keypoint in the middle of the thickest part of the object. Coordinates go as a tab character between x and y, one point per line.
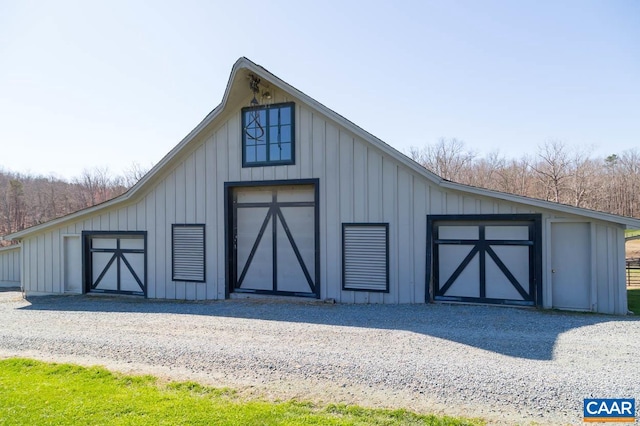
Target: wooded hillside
27	200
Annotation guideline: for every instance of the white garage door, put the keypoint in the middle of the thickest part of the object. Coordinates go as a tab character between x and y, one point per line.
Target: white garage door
115	262
486	258
275	240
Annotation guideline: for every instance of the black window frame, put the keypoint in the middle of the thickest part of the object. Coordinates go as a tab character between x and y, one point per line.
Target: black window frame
204	251
269	162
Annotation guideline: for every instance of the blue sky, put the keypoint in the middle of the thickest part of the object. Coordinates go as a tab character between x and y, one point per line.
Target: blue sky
107	83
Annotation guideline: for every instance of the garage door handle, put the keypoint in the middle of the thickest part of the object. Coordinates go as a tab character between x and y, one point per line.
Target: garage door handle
553	271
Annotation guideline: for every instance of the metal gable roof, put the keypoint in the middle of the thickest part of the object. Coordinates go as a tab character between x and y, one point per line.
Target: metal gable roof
233	92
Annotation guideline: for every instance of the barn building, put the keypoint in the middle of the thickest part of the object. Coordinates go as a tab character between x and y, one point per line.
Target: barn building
10	266
273	193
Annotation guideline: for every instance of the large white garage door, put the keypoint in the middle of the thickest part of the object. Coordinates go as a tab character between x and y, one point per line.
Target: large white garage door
275	240
115	262
486	258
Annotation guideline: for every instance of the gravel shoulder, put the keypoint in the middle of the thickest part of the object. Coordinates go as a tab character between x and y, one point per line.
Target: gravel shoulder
504	364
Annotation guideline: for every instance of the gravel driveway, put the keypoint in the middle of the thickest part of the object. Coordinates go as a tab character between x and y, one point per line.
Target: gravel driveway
504	364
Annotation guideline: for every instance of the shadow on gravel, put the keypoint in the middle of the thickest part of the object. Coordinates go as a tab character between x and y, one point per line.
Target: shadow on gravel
522	333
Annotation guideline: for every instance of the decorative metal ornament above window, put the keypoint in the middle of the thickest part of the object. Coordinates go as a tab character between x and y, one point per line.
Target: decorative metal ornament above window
254	117
254	85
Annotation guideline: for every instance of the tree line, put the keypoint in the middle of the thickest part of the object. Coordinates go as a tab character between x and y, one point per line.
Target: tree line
27	200
557	172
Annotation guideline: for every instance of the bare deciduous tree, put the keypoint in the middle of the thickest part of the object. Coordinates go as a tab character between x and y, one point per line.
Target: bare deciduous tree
447	158
583	171
134	173
98	185
553	169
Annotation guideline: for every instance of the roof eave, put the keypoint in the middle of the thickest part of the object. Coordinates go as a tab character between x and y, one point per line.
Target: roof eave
144	181
70	217
346	123
12	247
244	63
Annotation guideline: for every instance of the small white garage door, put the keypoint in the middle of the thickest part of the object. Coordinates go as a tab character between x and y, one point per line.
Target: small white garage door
275	240
115	262
486	258
570	260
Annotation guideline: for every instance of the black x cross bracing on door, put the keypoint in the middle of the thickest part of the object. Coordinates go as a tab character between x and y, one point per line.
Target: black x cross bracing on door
272	216
273	238
527	286
482	247
118	261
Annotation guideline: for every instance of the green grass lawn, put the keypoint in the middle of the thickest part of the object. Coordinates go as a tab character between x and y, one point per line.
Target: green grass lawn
38	393
633	298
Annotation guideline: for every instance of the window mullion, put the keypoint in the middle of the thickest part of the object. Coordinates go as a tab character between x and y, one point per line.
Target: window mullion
279	127
266	135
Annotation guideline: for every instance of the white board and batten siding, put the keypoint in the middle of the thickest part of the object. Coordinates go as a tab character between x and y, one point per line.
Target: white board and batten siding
358	183
10	266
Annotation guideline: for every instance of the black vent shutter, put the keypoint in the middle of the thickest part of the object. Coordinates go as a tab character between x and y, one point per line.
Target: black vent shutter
188	253
365	256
